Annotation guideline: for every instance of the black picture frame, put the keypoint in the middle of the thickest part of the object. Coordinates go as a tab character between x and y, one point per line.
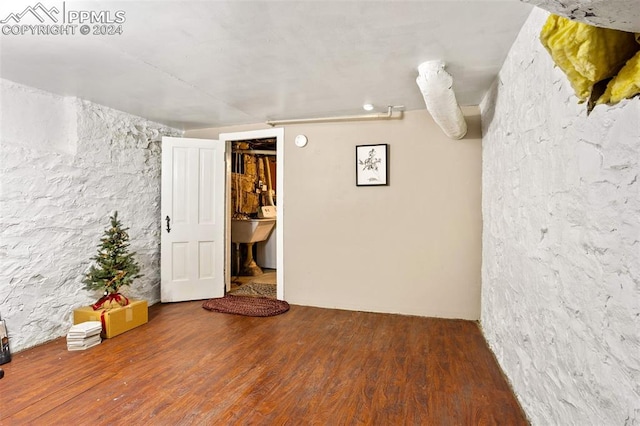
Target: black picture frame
372	165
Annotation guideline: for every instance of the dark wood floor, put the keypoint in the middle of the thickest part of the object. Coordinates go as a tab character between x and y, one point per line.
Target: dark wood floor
308	366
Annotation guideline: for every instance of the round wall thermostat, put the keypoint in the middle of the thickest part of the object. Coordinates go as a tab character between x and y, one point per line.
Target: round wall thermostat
301	140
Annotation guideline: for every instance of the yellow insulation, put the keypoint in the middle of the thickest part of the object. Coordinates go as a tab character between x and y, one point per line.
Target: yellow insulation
585	53
624	85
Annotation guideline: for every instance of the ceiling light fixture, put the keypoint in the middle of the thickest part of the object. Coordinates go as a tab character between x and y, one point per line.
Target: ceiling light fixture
367	107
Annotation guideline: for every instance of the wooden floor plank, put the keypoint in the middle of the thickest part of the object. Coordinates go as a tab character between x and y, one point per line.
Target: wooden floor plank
308	366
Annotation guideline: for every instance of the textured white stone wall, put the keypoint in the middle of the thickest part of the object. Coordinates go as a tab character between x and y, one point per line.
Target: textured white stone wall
65	165
561	243
617	14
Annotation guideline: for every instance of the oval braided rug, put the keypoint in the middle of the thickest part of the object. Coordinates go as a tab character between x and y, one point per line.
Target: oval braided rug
248	306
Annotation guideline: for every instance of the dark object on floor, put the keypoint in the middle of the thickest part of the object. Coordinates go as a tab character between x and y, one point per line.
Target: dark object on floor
1	373
247	306
5	353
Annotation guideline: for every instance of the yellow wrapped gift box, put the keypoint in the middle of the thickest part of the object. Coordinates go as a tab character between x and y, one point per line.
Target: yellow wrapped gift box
115	321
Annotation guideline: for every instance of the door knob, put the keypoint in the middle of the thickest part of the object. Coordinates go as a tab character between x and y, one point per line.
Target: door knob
168	219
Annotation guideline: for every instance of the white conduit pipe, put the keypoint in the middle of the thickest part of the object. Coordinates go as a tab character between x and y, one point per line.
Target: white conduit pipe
376	116
436	86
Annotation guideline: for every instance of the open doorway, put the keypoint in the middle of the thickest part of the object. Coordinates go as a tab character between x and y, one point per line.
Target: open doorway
254	204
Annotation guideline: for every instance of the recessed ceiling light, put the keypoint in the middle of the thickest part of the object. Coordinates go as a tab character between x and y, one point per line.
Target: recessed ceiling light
367	107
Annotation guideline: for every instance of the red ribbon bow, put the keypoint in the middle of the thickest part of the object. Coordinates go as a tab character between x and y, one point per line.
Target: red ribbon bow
108	298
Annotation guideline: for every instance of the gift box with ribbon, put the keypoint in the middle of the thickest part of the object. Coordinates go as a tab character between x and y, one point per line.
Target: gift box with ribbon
115	318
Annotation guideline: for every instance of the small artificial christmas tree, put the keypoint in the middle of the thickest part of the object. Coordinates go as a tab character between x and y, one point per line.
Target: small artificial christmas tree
115	266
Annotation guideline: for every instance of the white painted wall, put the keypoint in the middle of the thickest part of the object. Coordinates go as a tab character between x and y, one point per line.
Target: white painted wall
412	247
561	243
65	165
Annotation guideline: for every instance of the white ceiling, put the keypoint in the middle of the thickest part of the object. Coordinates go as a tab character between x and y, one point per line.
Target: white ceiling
193	64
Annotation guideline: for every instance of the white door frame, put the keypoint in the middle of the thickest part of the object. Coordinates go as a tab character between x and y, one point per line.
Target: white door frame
227	138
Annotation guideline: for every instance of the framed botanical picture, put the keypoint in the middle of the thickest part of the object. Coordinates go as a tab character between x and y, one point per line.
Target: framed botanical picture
372	166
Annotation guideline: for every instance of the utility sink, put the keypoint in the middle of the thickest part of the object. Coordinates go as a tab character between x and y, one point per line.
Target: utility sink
252	230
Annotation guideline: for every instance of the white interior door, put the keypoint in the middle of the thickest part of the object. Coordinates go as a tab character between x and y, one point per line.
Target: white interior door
193	218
